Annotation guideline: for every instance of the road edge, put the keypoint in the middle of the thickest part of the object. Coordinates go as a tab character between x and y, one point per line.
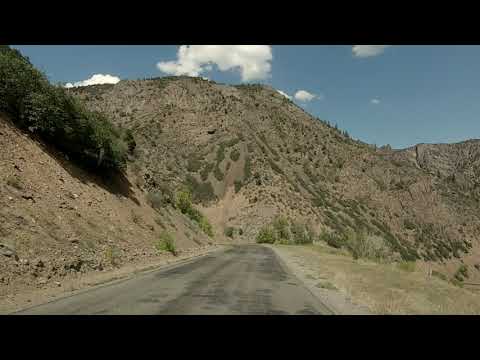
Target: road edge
116	279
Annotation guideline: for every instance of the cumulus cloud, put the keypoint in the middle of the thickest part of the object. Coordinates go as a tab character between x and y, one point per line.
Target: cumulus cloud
284	94
375	101
368	50
95	80
253	61
305	96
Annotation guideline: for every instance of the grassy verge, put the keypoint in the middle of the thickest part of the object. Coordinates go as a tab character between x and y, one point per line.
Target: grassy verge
398	288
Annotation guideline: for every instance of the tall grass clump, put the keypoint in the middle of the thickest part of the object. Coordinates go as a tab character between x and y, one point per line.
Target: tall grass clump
166	243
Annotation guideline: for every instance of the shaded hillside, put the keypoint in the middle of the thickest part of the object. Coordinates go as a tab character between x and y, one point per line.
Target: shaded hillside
249	154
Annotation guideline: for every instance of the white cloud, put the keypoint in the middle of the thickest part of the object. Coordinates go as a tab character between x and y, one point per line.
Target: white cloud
192	60
375	101
305	96
284	94
368	50
95	80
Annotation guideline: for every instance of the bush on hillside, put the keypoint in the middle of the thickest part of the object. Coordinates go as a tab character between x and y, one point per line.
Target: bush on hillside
57	117
286	231
166	243
183	202
266	235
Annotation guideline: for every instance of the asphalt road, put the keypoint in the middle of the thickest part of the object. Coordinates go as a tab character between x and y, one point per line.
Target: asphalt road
248	279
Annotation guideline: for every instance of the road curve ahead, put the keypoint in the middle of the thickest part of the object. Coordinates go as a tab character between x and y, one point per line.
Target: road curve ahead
244	279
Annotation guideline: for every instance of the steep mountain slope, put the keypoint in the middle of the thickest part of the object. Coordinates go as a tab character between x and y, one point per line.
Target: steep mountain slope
58	220
248	154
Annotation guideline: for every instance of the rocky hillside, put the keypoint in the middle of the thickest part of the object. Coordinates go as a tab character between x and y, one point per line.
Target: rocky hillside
248	154
58	221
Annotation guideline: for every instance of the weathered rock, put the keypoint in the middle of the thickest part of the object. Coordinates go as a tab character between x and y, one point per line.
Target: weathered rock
7	250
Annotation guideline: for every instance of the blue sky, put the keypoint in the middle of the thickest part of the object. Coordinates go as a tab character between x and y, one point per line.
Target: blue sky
424	94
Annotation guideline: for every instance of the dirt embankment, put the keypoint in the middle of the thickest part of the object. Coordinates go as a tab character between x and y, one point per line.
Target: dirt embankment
59	222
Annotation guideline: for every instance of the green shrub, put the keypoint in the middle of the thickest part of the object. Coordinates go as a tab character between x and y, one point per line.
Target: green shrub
300	234
266	235
462	273
57	117
220	153
333	240
238	185
282	231
362	246
183	201
218	174
229	231
201	192
206	170
205	226
235	155
184	204
112	255
166	243
194	164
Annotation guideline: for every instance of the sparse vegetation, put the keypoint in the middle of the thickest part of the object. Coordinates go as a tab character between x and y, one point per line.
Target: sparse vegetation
201	192
166	243
218	174
285	231
184	204
194	164
112	255
266	235
462	273
230	231
235	155
207	169
238	185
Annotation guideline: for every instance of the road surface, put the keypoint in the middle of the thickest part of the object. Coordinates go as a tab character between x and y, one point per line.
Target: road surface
247	279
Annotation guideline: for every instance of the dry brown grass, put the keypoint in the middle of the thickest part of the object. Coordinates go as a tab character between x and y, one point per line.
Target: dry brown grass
387	289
